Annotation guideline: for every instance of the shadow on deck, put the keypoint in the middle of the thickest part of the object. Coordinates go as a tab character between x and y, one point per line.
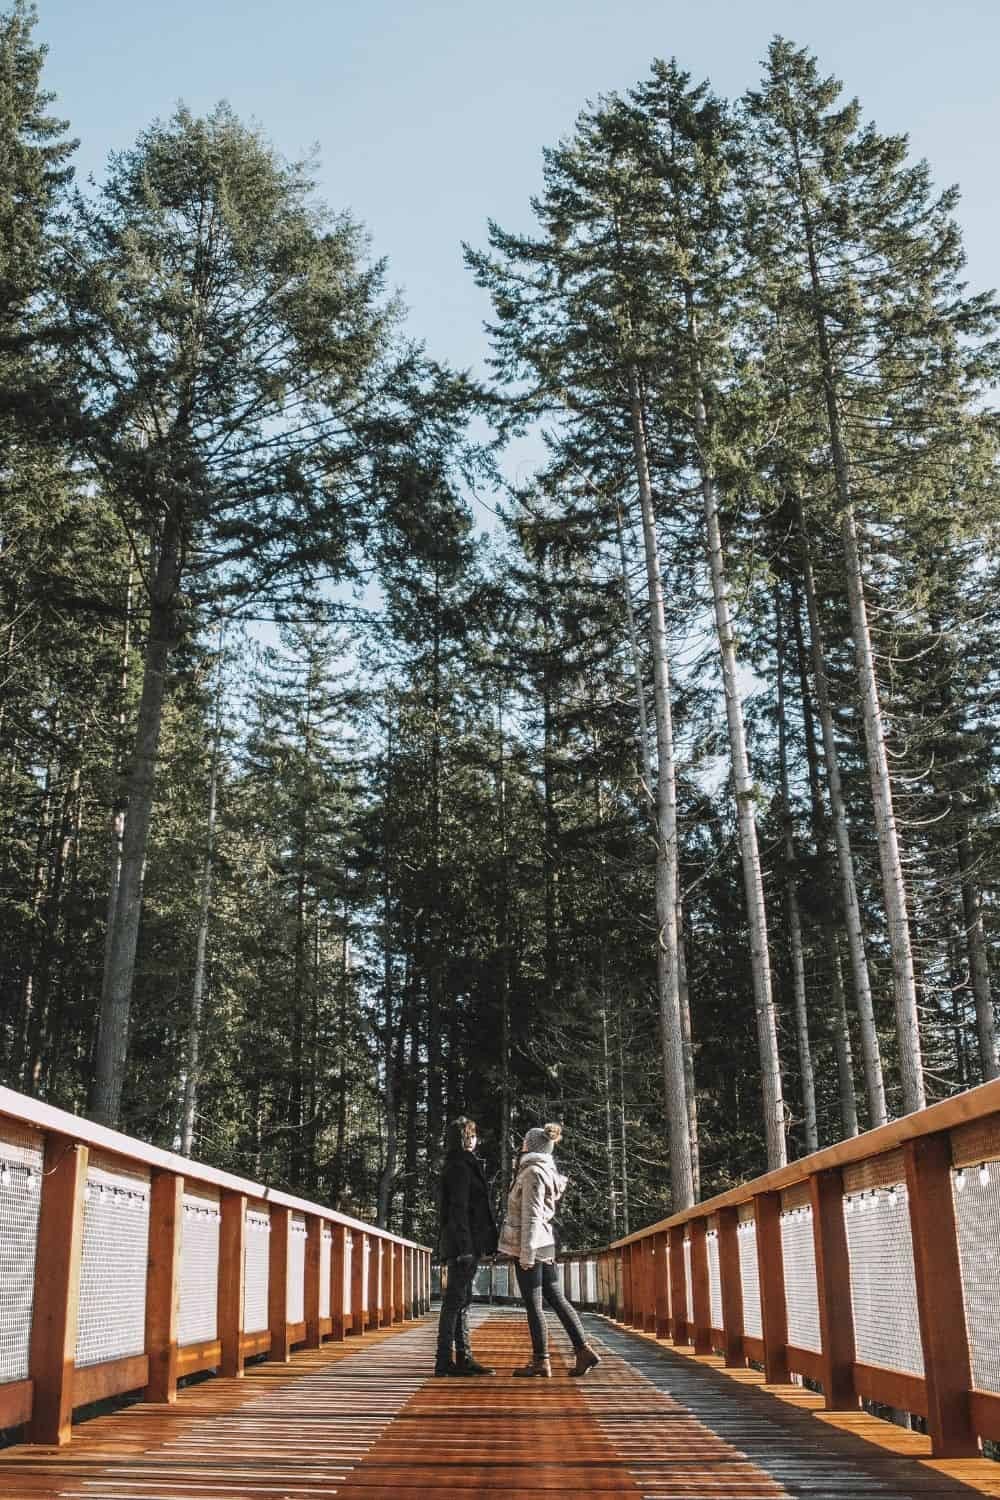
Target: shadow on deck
367	1417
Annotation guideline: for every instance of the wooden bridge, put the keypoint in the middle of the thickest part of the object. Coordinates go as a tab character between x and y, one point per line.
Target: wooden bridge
751	1347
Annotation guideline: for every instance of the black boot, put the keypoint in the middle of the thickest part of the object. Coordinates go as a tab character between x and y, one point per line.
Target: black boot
444	1364
467	1364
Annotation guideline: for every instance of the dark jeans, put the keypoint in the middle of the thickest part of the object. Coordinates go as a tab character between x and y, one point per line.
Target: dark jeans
540	1283
453	1324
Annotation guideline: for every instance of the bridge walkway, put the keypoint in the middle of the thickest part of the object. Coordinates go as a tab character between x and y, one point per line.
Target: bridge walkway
366	1417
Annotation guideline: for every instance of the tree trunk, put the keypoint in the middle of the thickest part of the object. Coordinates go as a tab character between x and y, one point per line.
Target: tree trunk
975	946
871	1058
760	959
387	1177
893	885
112	1037
192	1063
806	1075
667	969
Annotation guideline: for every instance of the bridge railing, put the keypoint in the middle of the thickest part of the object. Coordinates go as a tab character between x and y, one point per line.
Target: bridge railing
124	1267
871	1268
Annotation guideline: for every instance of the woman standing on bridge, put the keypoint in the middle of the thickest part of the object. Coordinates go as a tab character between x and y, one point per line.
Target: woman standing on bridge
528	1237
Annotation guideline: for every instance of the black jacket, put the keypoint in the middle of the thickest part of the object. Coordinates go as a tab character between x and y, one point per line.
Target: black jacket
467	1223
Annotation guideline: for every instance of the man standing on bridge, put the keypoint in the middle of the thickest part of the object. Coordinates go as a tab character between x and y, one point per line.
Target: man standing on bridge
468	1231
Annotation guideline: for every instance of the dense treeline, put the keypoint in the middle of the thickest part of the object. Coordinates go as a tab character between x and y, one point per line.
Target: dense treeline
663	805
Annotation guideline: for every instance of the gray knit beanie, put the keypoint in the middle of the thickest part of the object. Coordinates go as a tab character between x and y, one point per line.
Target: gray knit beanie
542	1138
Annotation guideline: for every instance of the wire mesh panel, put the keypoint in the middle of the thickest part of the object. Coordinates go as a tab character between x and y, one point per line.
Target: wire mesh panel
574	1281
883	1286
977	1212
688	1288
503	1282
325	1242
714	1278
367	1298
21	1160
348	1280
589	1292
296	1309
198	1319
746	1239
112	1320
256	1270
798	1253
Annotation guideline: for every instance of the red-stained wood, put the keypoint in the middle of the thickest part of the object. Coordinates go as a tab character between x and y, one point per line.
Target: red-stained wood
15	1402
940	1301
113	1378
232	1238
678	1288
163	1283
661	1287
375	1282
732	1289
771	1270
57	1290
255	1343
194	1357
891	1388
338	1266
984	1410
386	1283
314	1251
700	1298
805	1362
277	1290
358	1239
833	1291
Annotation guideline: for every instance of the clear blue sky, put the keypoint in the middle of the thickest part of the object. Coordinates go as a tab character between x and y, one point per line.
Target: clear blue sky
430	117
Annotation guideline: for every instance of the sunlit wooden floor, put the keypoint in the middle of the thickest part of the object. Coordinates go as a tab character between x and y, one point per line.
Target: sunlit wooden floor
369	1418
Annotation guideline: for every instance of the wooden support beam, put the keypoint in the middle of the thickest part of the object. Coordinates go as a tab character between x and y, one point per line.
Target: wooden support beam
358	1239
314	1253
57	1290
661	1271
943	1330
732	1288
678	1287
771	1271
398	1282
277	1291
338	1287
385	1283
232	1243
648	1323
701	1304
833	1290
163	1283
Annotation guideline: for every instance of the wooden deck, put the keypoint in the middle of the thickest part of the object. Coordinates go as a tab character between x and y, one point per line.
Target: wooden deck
368	1418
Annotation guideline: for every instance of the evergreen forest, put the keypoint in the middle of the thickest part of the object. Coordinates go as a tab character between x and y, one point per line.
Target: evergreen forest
348	784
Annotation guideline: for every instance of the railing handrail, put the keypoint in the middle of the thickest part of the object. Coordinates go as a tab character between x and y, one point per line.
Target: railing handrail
960	1109
32	1112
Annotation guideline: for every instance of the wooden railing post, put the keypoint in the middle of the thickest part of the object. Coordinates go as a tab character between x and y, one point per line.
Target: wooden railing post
648	1324
701	1303
399	1284
338	1274
232	1243
385	1280
376	1282
771	1271
732	1288
277	1292
314	1252
163	1283
358	1238
678	1286
833	1290
661	1264
57	1290
940	1301
411	1283
628	1284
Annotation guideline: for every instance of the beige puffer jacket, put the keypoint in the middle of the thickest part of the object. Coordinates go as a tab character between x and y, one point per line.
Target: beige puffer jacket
531	1208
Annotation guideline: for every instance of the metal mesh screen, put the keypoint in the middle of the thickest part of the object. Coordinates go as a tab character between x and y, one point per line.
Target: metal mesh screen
367	1300
714	1278
688	1287
574	1281
21	1160
348	1261
113	1267
296	1309
746	1238
256	1270
503	1282
325	1242
798	1253
883	1288
977	1212
590	1281
198	1321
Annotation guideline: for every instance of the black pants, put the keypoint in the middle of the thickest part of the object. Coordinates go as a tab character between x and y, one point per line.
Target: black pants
536	1285
453	1324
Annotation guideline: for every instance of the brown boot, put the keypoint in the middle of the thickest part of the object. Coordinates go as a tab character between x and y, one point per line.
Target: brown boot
538	1365
586	1359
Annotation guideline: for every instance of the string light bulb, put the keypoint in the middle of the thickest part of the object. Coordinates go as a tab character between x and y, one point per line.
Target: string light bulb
984	1175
